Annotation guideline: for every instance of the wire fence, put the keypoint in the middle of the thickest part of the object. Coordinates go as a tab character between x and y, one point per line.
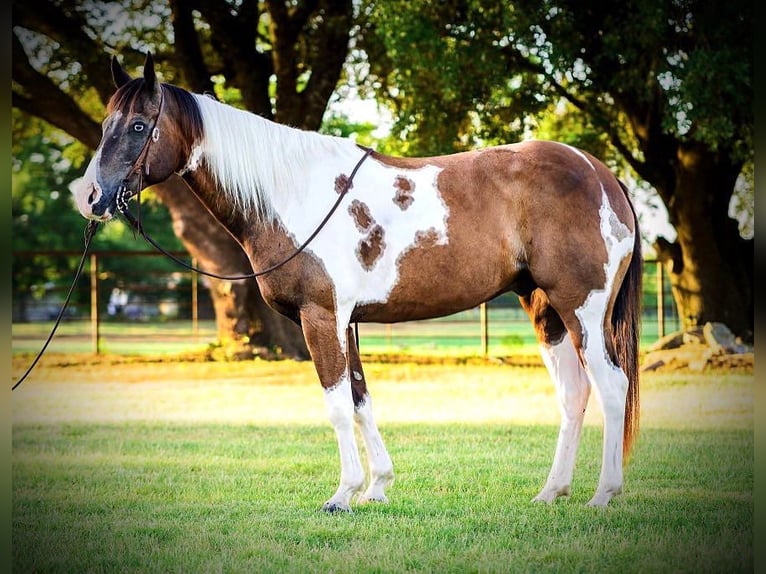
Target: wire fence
124	308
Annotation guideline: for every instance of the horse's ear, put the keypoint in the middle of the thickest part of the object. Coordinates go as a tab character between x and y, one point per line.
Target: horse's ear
119	76
149	76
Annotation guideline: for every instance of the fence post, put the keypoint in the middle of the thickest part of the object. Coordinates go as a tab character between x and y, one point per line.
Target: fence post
195	300
660	300
484	320
95	335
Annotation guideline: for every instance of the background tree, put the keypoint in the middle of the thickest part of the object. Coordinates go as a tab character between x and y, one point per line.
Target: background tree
278	59
666	85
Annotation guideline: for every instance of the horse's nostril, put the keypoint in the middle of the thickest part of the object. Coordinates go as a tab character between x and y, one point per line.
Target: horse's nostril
92	197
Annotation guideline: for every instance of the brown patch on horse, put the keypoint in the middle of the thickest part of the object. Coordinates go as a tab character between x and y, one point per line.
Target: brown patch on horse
371	247
355	370
361	214
404	188
427	238
372	244
547	323
342	184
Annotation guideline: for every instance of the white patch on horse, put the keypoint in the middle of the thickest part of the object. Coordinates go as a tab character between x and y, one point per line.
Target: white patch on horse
195	157
609	380
618	240
86	190
337	245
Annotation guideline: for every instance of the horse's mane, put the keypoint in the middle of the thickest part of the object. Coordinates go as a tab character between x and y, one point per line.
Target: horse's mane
260	164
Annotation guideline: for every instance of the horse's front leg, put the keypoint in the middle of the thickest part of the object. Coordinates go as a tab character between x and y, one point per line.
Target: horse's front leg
330	358
381	467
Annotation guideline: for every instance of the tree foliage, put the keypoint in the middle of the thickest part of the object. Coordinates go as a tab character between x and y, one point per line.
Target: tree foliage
664	86
686	65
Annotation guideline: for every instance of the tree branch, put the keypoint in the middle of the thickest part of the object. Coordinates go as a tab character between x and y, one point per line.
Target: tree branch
326	56
56	107
68	29
193	69
233	36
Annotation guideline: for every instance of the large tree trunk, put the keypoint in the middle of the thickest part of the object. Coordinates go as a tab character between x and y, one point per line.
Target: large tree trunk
710	264
246	325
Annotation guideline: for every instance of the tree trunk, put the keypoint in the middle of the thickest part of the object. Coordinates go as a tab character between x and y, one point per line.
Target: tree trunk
710	265
246	325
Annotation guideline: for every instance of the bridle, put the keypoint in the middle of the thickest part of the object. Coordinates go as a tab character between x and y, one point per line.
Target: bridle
140	166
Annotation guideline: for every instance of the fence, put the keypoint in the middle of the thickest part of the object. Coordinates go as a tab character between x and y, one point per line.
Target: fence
125	308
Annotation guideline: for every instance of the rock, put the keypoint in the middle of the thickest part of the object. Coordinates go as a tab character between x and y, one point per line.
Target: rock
713	346
694	336
720	338
671	341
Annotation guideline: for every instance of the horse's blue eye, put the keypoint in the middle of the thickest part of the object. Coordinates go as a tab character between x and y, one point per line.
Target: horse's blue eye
139	127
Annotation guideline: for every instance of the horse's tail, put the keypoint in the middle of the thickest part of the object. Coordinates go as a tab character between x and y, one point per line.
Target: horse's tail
626	330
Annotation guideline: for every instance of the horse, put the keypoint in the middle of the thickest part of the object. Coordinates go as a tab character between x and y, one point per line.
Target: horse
414	238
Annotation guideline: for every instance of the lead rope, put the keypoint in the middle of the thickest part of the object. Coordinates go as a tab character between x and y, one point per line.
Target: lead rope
90	231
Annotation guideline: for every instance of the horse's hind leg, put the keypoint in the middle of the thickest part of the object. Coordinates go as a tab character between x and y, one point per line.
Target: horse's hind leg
329	353
572	389
381	467
611	386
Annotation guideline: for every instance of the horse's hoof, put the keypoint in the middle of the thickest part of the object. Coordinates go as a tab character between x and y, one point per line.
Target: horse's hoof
599	501
379	499
550	494
333	507
603	496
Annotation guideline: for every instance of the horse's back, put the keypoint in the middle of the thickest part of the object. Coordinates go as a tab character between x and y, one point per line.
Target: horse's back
518	216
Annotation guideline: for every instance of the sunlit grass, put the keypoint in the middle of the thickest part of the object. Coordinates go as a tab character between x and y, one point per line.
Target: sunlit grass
128	466
288	392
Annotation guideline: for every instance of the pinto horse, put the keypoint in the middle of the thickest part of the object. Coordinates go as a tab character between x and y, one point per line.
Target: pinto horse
413	238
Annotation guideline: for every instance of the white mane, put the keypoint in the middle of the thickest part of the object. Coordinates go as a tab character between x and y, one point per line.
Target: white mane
260	164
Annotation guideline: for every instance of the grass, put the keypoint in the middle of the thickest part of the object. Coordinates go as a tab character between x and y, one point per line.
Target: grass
128	466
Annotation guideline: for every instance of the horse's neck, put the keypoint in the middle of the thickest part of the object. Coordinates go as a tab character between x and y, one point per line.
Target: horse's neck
264	240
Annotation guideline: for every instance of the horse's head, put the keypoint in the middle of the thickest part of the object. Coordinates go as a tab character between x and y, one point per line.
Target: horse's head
137	146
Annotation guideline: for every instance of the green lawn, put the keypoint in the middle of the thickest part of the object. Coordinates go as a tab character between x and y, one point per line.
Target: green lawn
212	467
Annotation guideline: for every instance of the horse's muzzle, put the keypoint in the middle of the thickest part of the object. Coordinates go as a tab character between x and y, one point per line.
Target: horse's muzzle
91	200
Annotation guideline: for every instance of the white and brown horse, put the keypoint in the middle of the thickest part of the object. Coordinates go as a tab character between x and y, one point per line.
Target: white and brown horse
413	238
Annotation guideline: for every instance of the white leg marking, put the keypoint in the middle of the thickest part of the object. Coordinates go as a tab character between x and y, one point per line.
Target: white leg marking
381	467
340	407
573	390
610	381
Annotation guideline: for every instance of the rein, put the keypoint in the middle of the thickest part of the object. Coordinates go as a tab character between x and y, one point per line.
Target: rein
90	231
123	195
